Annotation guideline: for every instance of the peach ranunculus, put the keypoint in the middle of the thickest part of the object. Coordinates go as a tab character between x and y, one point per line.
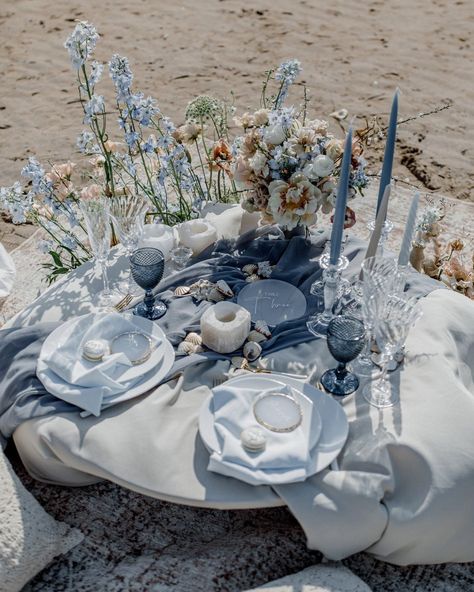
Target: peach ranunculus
295	202
60	172
242	171
221	156
93	191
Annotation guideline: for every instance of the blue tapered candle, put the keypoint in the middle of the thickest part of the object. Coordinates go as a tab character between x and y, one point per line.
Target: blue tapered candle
386	175
340	213
404	255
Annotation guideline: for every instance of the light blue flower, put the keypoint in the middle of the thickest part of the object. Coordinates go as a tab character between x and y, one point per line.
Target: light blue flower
96	73
168	125
45	246
81	43
69	242
119	70
85	141
288	71
149	146
166	141
94	107
132	138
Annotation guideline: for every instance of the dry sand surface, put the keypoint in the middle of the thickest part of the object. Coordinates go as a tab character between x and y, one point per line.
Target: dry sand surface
354	54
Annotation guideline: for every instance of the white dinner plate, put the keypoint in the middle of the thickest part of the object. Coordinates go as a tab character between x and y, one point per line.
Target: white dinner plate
335	427
152	371
273	301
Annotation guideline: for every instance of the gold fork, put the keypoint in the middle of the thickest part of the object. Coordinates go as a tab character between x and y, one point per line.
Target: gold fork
122	304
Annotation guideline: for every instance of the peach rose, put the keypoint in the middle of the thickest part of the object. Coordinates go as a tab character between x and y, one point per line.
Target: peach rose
91	192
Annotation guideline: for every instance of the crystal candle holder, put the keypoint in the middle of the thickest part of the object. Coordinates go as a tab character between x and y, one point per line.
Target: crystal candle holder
386	230
318	324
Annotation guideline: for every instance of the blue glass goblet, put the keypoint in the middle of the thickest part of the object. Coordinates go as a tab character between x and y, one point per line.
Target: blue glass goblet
346	338
147	266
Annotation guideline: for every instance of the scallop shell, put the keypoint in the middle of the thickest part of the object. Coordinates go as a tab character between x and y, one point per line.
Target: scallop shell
215	295
239	362
252	350
182	291
193	338
262	327
256	336
224	288
252	278
250	268
186	348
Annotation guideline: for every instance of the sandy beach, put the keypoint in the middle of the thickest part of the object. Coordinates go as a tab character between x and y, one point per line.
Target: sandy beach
354	55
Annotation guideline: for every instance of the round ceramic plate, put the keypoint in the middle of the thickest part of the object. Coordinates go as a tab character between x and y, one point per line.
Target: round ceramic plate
152	371
335	426
272	301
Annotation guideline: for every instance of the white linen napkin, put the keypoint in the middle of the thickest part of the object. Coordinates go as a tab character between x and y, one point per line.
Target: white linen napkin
88	384
7	272
286	456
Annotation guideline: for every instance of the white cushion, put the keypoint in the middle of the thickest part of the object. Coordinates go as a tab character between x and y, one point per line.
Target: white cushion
318	578
29	537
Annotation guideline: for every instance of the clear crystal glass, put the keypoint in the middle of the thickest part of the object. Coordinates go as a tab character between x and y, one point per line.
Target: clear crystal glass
99	232
391	331
128	214
180	256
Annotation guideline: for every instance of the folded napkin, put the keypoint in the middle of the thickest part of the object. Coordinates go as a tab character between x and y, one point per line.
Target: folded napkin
88	384
7	272
286	455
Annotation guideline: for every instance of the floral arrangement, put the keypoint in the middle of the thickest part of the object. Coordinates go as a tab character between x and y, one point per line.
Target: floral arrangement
449	261
282	165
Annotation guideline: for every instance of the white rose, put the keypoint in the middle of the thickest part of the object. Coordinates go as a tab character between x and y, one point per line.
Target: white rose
259	163
261	117
322	166
274	134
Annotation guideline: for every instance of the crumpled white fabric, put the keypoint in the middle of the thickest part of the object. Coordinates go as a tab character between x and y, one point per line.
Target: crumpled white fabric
7	272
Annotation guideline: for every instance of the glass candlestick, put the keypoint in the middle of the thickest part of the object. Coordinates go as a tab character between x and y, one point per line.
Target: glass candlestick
386	230
344	287
318	324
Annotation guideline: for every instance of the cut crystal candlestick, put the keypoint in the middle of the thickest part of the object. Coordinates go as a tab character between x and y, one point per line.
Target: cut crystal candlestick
318	324
386	230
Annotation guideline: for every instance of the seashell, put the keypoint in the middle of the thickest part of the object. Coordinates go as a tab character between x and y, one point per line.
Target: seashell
252	350
239	362
256	336
252	278
215	295
193	338
262	327
250	268
182	291
265	269
224	288
340	114
186	348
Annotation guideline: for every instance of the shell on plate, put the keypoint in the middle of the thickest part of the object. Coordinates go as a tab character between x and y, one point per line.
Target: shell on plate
182	291
252	278
224	288
193	338
256	336
252	350
263	328
250	268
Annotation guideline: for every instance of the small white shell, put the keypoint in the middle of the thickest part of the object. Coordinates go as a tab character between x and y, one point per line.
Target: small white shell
239	362
215	295
182	291
186	348
252	350
252	278
340	114
262	327
193	338
224	288
265	269
253	439
256	336
250	268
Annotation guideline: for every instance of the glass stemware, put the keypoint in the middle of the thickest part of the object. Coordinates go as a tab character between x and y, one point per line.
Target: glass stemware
128	214
99	232
391	331
147	266
346	337
180	256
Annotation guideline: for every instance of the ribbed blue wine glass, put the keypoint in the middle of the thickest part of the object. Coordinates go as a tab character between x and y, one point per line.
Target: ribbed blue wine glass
147	266
346	338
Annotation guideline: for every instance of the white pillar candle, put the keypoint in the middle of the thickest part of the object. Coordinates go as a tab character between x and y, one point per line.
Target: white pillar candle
225	327
197	234
158	236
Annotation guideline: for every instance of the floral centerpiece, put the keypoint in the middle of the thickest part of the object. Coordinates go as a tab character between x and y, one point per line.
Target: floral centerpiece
282	164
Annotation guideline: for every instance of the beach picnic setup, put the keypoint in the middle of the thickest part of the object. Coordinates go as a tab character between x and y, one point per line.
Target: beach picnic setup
216	335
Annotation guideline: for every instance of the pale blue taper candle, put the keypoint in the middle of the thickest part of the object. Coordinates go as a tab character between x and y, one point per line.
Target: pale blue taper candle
340	213
386	175
404	255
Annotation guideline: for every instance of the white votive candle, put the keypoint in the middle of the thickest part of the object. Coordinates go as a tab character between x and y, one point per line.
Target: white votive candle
225	327
197	234
158	236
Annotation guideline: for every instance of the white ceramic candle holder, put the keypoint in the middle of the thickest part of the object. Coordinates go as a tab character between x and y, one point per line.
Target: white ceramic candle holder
158	236
197	234
225	327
